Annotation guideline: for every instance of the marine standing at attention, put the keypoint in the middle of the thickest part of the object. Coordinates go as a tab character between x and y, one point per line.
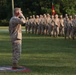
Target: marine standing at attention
16	36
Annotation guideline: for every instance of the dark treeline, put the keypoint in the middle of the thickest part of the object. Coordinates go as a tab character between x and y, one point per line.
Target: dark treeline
30	7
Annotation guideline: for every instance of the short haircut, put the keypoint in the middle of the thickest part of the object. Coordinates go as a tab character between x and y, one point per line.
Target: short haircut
16	9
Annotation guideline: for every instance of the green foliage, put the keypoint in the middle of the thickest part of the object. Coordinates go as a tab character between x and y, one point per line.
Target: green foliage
69	6
30	7
4	22
45	10
3	9
57	9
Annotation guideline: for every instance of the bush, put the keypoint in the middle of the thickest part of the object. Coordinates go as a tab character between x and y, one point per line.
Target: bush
4	22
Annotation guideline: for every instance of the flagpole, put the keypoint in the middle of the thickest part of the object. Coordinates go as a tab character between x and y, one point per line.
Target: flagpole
12	7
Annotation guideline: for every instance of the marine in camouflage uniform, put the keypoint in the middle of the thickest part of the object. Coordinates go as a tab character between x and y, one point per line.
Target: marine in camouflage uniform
65	26
30	22
40	24
45	25
36	24
52	24
33	24
61	27
74	27
26	25
16	34
70	26
56	26
48	24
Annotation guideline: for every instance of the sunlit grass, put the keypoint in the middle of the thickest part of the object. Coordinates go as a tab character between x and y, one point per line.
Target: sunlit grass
44	55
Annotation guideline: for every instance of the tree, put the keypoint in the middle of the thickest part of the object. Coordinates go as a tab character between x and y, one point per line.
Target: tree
68	6
30	7
3	9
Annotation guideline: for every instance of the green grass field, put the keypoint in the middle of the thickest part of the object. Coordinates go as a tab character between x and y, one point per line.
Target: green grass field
43	55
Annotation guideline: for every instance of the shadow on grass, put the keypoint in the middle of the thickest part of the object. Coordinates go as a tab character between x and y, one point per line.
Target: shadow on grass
53	69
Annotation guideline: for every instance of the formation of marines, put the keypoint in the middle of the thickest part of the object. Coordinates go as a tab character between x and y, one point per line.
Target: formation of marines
53	25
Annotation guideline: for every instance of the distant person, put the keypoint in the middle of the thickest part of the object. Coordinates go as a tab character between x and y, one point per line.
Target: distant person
16	36
61	27
66	27
26	25
56	25
70	24
74	27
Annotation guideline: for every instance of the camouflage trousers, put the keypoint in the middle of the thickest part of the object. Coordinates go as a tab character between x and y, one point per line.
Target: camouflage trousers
16	50
73	32
55	31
